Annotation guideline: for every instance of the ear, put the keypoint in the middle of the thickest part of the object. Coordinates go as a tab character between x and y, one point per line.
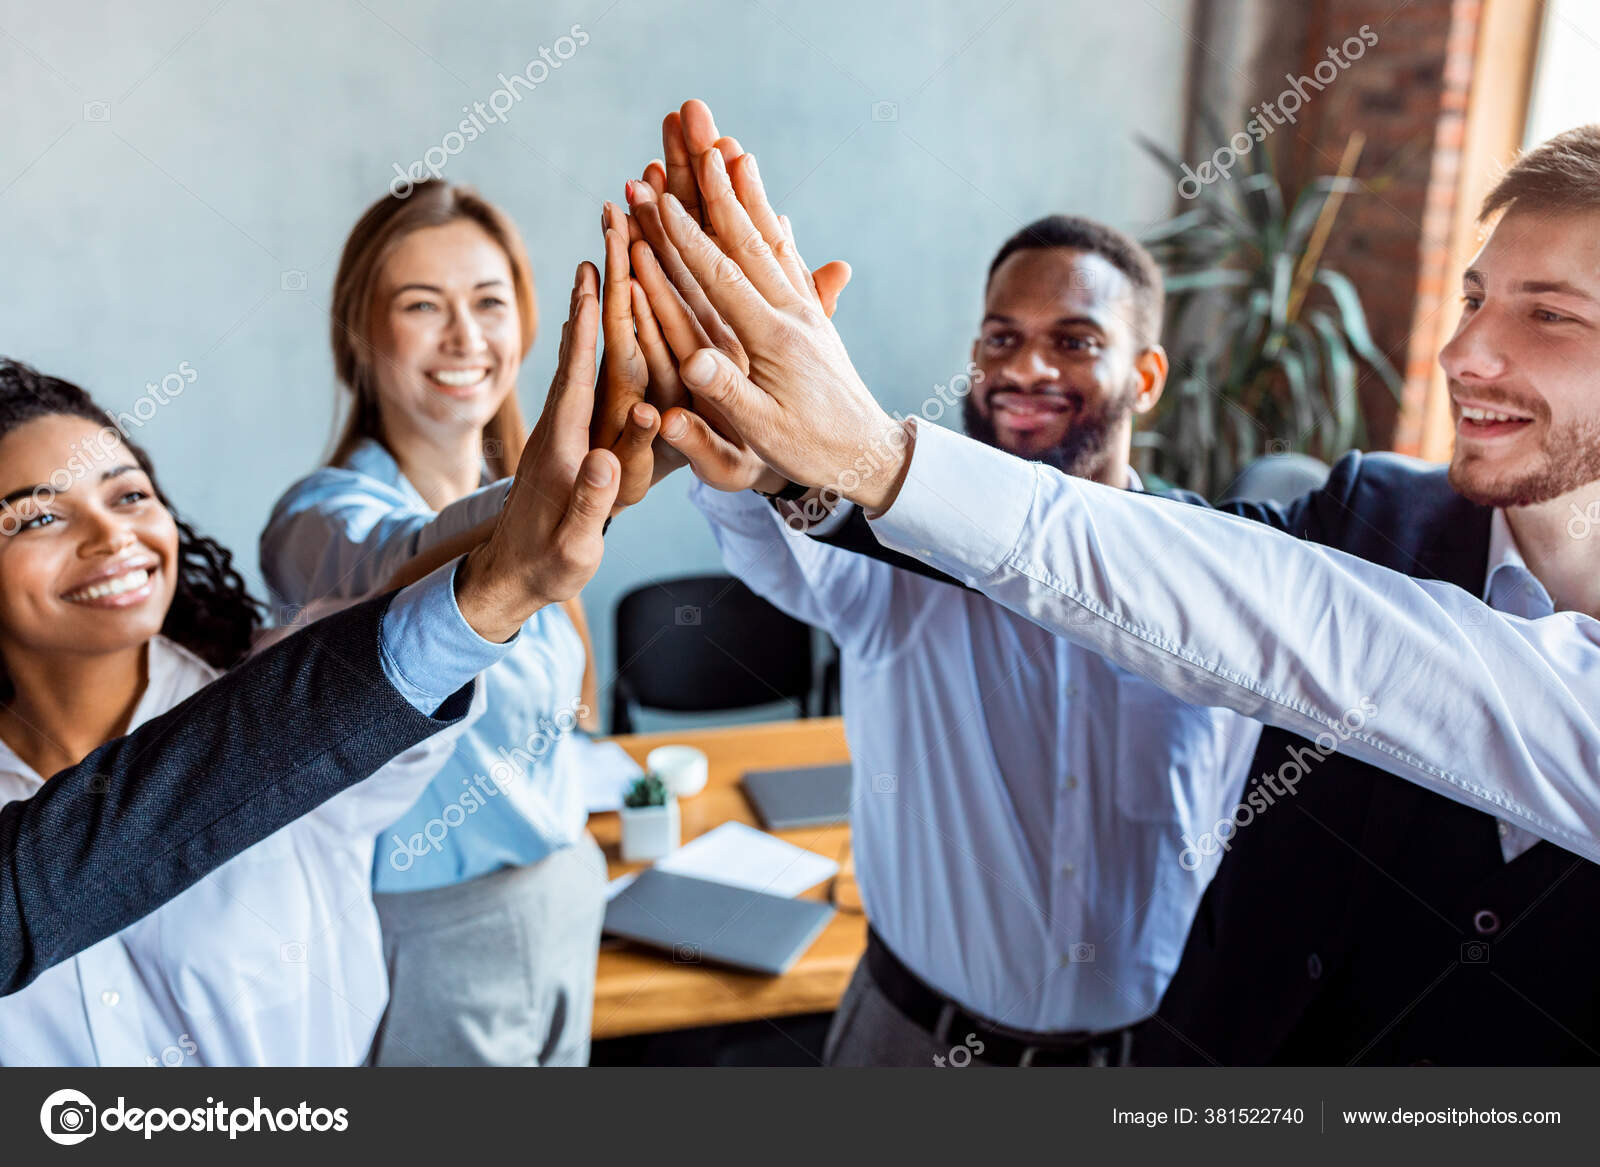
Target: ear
1150	368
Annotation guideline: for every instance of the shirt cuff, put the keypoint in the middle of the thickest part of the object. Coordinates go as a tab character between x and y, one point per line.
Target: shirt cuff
962	506
429	651
713	502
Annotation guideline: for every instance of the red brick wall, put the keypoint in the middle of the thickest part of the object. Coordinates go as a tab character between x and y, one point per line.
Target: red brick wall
1408	95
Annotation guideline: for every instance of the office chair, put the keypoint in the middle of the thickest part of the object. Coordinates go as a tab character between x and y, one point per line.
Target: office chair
704	643
1277	478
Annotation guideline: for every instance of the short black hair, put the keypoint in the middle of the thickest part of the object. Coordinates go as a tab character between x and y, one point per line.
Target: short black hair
1122	251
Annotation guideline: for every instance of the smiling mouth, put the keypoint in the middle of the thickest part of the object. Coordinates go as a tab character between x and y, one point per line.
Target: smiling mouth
1027	411
458	379
1480	422
130	587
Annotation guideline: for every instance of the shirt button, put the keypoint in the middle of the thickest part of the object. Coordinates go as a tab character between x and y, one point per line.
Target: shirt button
1314	967
1503	828
1486	922
1072	692
110	997
1072	781
1068	870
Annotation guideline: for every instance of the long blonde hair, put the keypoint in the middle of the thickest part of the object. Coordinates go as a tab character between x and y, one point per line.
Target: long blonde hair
430	203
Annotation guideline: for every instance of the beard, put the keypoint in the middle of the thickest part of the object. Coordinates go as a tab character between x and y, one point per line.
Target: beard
1082	451
1568	458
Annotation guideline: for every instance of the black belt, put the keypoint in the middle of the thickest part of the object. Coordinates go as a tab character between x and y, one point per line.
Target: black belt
1002	1046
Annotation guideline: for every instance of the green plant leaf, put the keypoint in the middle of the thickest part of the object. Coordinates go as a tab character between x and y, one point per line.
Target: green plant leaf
1354	319
1344	403
1215	278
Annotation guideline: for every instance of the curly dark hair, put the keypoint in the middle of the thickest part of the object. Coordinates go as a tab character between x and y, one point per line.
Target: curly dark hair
213	614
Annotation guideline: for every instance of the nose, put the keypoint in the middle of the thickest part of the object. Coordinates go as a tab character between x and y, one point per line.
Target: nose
465	334
1476	353
1030	364
108	534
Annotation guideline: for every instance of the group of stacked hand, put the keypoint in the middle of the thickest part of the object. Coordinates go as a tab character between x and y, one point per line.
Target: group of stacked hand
719	354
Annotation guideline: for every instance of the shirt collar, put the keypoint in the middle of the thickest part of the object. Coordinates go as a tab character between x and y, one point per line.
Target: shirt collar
371	458
1506	557
173	673
1134	481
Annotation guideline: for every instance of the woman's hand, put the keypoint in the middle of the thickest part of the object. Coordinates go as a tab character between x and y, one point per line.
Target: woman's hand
548	541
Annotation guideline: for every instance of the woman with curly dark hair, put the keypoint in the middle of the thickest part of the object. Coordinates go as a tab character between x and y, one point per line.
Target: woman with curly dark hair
113	611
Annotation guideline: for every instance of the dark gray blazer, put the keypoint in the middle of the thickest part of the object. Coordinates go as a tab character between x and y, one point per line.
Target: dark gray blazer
143	817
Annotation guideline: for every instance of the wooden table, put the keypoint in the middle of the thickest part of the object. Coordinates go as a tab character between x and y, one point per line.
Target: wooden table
640	990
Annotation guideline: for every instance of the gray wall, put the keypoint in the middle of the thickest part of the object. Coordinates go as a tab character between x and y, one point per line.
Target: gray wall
168	172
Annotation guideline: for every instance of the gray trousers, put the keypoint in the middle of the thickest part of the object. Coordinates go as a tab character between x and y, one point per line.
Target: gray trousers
497	971
868	1030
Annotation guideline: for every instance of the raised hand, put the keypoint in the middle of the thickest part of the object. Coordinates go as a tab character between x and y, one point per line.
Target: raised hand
687	134
548	540
624	421
800	405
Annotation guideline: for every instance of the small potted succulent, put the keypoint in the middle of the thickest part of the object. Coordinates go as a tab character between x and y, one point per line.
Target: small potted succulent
650	824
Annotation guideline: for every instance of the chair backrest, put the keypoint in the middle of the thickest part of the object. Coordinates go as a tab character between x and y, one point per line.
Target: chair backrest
703	643
1278	478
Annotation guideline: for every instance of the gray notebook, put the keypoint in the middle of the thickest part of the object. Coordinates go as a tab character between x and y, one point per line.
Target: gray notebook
700	921
811	796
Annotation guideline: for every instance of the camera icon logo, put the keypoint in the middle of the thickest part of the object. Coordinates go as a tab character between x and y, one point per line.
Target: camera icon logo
1277	446
493	447
293	280
885	784
1473	617
685	954
292	952
97	111
68	1117
885	111
1474	952
687	616
1081	954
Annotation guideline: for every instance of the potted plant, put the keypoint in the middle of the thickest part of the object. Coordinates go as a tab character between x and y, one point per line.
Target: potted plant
1268	342
650	824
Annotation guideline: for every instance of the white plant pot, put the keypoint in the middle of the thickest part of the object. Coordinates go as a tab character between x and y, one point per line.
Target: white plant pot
650	832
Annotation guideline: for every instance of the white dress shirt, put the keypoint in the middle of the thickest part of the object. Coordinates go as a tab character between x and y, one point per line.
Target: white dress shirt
274	959
1491	704
1019	804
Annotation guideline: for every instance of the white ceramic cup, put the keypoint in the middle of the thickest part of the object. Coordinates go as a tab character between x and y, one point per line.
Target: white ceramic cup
681	768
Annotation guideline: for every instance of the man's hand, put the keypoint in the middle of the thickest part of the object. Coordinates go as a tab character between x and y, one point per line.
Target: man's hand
690	132
676	319
624	422
802	408
547	542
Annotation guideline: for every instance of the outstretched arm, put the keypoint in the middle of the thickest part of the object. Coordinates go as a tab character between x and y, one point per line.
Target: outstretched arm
1491	710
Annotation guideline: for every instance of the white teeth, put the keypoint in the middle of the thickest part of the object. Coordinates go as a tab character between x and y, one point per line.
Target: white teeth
131	582
458	378
1473	414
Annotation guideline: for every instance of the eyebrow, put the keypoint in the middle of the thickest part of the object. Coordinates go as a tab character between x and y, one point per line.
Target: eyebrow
1090	321
440	291
1474	278
43	488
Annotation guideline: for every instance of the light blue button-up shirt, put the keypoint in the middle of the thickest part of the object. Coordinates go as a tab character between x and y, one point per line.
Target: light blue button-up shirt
505	798
1019	804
